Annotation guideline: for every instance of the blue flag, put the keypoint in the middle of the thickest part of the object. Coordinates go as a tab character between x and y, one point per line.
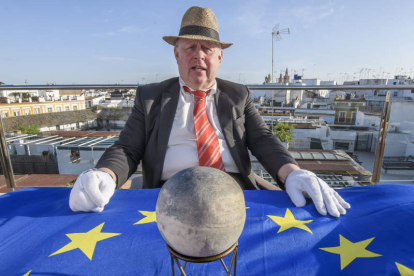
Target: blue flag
40	235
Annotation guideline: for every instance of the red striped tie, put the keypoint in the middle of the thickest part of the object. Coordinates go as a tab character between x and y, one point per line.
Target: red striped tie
207	142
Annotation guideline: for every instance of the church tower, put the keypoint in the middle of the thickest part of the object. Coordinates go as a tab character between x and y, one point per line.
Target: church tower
280	79
286	78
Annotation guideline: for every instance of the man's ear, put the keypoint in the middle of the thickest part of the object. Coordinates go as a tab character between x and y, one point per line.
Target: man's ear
221	56
176	52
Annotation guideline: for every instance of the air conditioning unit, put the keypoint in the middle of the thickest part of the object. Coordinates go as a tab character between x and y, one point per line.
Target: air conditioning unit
392	128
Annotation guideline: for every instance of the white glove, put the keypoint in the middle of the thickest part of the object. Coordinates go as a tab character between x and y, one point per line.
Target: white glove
92	191
301	183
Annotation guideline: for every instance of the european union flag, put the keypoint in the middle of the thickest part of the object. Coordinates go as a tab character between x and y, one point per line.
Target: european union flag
40	235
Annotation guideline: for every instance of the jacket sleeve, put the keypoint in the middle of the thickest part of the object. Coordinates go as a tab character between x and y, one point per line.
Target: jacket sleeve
124	156
265	146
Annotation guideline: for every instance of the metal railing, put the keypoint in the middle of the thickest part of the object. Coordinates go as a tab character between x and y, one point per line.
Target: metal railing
252	87
331	87
68	87
379	155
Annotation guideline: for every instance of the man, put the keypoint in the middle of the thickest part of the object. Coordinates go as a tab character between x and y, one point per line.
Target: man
198	120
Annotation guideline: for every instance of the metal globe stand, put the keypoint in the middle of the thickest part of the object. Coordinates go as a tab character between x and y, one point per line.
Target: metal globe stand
175	256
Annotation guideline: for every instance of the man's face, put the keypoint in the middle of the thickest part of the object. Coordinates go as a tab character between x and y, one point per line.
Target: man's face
198	62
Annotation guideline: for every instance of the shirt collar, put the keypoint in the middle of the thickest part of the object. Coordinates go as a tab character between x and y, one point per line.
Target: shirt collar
213	88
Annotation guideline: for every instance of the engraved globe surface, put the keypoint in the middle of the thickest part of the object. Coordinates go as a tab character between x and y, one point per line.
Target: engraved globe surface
201	212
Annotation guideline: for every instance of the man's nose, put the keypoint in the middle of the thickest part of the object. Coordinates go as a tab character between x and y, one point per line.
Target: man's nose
199	53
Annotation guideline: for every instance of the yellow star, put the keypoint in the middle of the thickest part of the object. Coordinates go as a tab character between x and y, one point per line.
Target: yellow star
289	221
247	208
405	271
349	251
27	273
86	242
149	217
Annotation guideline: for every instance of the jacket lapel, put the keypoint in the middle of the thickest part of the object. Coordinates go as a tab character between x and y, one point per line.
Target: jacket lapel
224	112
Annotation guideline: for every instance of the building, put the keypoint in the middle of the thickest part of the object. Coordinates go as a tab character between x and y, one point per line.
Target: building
346	110
94	100
71	95
69	152
40	107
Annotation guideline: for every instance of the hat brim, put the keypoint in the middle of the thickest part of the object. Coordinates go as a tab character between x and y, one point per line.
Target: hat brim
173	39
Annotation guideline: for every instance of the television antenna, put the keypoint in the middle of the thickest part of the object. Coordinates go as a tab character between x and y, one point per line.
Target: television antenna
277	35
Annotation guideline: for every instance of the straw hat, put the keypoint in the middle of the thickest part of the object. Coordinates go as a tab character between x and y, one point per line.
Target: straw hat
199	24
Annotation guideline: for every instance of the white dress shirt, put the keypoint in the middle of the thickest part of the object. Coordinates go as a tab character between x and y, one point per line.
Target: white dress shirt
182	152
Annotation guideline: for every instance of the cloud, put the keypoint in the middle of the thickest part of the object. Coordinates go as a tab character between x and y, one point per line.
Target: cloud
78	9
113	59
124	30
314	13
8	59
250	17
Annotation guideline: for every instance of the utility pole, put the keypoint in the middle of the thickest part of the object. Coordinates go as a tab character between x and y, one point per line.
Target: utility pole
276	34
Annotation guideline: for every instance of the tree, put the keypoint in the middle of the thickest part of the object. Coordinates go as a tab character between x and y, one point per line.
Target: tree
282	131
15	95
33	129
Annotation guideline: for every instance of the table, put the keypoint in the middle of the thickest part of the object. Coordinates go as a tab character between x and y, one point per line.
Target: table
40	235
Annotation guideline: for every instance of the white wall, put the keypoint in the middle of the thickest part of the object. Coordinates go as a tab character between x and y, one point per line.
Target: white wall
88	161
34	149
44	93
311	81
373	82
402	115
348	135
72	126
328	82
98	100
410	149
306	133
7	93
367	120
396	144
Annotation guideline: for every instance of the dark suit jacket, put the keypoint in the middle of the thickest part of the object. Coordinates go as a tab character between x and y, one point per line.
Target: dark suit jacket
146	133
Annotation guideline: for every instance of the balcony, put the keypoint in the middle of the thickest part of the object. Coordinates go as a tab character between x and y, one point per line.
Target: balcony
315	130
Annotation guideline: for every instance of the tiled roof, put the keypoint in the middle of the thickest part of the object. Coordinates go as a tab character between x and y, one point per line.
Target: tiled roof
49	119
114	114
70	92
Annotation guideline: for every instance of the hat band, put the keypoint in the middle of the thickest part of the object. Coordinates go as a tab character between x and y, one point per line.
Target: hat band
199	30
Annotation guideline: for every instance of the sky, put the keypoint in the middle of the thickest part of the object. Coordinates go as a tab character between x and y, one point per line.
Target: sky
107	42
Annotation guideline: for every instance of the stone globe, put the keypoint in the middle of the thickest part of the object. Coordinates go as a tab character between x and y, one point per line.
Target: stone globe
201	212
